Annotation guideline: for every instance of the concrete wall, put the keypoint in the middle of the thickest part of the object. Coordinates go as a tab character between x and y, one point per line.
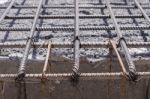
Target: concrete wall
94	89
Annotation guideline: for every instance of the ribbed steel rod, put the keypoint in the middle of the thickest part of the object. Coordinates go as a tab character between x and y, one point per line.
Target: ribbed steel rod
7	10
70	44
130	63
143	12
21	71
83	76
72	6
69	28
75	68
71	16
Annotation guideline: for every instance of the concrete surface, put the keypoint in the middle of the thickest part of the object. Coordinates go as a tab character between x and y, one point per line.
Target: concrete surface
90	89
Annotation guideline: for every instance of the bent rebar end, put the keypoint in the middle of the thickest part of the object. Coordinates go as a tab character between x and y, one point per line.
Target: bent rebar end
20	76
75	78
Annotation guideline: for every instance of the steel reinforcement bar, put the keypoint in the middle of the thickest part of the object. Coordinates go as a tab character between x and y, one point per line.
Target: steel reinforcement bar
75	68
70	28
77	44
72	16
66	76
142	11
21	71
70	44
122	42
7	10
15	6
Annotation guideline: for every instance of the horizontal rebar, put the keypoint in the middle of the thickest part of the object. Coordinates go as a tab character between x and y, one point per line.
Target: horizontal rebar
70	44
71	16
66	76
70	28
72	6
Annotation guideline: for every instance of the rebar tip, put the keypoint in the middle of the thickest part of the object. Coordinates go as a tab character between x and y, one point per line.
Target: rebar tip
20	76
133	76
75	78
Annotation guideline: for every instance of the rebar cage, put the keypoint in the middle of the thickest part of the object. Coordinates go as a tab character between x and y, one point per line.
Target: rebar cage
113	42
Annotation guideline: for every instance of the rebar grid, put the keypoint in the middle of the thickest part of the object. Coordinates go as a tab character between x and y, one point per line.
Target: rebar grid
76	44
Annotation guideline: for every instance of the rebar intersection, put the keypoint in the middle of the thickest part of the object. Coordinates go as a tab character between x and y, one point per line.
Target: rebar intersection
76	43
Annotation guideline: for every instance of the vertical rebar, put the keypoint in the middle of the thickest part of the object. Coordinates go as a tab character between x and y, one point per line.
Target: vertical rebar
132	69
21	72
143	12
7	10
76	39
47	58
75	76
